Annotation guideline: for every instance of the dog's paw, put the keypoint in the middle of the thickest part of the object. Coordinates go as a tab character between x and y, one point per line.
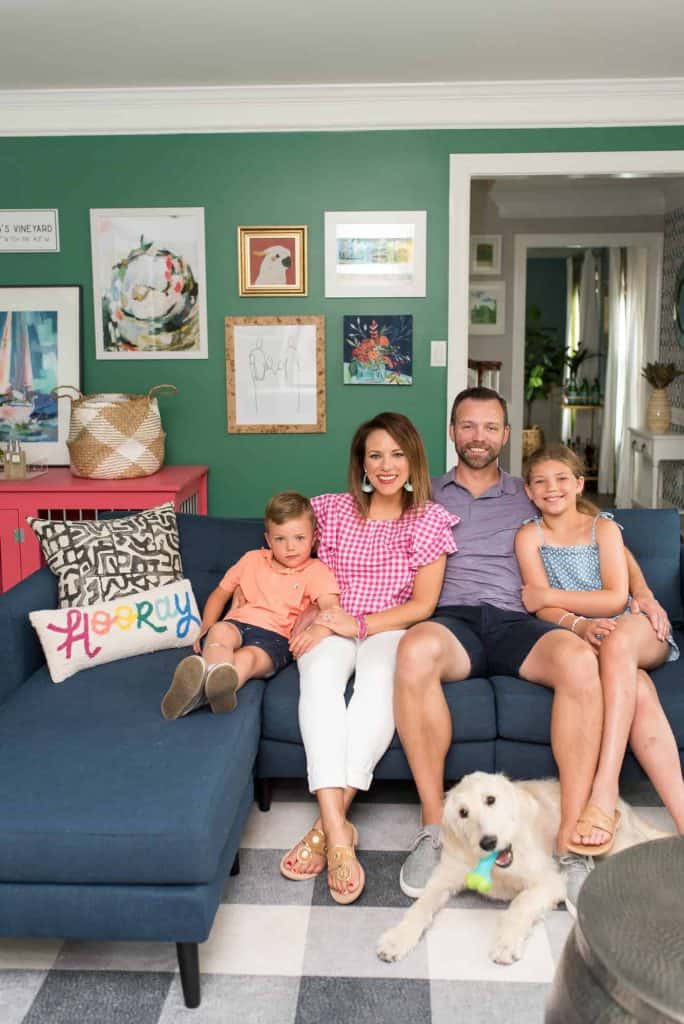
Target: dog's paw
394	944
507	948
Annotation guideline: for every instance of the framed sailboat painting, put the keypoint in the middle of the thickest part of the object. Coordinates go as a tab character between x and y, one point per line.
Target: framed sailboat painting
40	349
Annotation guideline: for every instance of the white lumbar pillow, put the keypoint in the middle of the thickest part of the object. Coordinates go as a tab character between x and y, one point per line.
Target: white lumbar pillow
151	620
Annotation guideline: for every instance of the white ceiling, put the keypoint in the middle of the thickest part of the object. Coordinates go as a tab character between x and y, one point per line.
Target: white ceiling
81	44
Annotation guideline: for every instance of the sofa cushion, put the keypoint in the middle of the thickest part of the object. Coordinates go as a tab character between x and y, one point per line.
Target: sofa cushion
471	704
99	560
78	638
98	788
523	710
653	536
210	545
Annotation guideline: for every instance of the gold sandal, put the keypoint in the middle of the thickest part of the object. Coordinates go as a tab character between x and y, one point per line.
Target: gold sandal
593	817
339	865
312	843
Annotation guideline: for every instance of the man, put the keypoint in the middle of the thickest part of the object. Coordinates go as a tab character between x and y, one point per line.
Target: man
480	627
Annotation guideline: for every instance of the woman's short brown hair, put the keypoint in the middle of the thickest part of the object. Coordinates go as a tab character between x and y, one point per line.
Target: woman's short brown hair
286	506
409	440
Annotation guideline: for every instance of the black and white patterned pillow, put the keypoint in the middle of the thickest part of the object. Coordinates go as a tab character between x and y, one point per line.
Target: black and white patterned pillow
101	560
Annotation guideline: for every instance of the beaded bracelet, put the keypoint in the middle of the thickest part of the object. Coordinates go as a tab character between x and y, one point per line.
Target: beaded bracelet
564	616
363	627
580	618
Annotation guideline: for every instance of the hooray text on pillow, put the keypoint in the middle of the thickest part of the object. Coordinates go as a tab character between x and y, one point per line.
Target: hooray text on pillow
160	615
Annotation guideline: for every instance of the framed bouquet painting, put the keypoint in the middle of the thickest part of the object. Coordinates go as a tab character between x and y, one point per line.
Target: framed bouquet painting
378	349
149	283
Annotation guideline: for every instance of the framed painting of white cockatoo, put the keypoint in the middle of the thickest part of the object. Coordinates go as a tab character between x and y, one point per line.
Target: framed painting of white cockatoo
272	260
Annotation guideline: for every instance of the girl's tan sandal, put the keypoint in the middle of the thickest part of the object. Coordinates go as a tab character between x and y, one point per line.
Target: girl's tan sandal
340	859
312	844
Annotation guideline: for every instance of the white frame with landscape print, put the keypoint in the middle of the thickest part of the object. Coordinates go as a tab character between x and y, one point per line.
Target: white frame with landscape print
483	267
497	290
367	278
113	233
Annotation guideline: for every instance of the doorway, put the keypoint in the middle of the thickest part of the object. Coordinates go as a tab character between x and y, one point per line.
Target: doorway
468	167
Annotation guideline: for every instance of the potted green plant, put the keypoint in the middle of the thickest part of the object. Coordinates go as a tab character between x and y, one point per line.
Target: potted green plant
573	361
659	410
544	360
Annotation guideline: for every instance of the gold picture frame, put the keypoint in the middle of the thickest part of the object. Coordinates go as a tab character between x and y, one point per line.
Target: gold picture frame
275	374
272	260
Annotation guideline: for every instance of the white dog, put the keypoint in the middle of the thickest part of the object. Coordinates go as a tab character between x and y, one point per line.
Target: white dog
273	269
486	812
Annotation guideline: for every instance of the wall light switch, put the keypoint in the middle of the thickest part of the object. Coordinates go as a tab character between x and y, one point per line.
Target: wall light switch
438	353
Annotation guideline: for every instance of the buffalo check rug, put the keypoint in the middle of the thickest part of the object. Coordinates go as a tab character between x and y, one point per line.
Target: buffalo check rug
283	952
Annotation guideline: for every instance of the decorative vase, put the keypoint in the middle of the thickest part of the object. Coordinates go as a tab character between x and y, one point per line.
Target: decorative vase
367	373
533	438
658	411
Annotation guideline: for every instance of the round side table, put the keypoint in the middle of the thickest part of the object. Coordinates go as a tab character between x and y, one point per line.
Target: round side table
623	961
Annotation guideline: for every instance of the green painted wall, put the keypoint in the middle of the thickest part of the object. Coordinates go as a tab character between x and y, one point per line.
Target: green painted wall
266	179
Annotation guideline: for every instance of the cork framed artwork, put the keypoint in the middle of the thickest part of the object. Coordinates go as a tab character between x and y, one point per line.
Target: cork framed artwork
275	374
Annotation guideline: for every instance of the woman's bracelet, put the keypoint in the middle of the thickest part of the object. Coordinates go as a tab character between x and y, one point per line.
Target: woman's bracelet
363	627
564	616
580	618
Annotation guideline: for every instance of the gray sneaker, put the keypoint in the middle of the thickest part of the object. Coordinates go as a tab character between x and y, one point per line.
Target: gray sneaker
576	869
421	861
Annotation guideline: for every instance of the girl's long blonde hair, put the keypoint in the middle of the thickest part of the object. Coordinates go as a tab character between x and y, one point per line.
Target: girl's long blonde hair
561	453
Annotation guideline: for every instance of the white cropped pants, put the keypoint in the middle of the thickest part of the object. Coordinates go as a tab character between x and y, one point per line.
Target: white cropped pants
344	743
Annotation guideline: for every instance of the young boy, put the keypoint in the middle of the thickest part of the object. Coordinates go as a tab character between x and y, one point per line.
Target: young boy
252	641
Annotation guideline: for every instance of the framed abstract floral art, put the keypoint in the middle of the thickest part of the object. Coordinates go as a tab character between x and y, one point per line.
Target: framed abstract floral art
149	283
378	349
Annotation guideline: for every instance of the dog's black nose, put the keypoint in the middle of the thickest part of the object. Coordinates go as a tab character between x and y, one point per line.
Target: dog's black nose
488	843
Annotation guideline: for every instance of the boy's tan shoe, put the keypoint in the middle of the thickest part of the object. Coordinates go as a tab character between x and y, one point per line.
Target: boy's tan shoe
220	685
187	688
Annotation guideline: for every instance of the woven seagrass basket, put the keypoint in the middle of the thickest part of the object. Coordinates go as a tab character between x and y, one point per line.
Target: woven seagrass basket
115	436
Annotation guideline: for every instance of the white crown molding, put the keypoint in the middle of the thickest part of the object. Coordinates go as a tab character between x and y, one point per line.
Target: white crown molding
530	104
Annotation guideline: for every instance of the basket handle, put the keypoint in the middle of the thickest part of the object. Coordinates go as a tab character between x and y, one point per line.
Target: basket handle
66	387
170	389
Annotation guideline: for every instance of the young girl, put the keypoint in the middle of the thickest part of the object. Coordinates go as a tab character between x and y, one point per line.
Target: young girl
277	583
574	571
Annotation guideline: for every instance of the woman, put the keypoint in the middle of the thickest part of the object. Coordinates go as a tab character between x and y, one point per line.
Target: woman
387	544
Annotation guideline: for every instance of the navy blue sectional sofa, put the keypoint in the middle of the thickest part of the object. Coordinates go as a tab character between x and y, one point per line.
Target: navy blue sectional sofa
115	824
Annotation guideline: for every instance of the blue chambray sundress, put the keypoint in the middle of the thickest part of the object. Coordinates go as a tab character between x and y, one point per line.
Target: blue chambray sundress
577	567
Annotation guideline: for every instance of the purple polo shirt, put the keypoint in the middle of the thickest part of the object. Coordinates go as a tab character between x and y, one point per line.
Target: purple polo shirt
484	570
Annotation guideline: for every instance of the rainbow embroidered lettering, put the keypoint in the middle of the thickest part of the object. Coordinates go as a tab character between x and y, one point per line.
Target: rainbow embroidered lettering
82	622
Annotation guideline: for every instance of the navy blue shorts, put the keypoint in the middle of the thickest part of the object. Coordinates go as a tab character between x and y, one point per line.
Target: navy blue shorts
496	640
274	644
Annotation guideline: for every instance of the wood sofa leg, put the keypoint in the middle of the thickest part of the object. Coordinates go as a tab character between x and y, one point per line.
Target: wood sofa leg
263	794
188	963
235	870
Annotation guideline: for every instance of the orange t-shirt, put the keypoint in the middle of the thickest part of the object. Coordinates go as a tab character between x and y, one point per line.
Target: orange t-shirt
274	594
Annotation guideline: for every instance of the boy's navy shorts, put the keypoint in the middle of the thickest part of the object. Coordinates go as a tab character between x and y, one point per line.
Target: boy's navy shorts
274	644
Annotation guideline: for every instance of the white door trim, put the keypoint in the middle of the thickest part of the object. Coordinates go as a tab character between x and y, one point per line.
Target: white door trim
463	168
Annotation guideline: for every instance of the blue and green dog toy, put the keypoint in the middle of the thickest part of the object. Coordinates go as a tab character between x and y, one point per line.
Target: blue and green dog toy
480	878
